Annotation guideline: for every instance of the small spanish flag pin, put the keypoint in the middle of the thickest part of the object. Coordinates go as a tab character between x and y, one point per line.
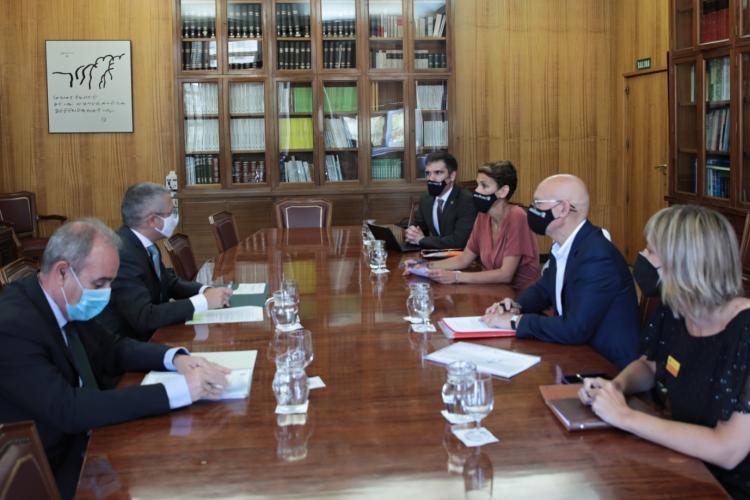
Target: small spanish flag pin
673	366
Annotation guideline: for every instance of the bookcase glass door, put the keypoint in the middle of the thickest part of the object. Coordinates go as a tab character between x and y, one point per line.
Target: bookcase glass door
386	21
686	177
293	48
295	132
387	130
683	19
247	132
430	120
201	126
714	21
339	33
745	19
717	127
198	26
429	30
340	126
745	100
244	35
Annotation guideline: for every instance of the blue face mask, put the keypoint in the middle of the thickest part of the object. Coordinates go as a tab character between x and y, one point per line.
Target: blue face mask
91	303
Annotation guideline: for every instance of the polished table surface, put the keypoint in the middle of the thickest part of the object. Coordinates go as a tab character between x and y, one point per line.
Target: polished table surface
375	431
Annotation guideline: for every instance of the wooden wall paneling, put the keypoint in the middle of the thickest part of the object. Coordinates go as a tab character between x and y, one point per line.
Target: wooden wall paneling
251	214
347	210
388	208
194	222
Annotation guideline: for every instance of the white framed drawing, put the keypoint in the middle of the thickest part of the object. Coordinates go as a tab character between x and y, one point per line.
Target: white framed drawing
89	86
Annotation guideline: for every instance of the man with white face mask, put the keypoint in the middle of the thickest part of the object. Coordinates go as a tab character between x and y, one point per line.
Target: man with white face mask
142	292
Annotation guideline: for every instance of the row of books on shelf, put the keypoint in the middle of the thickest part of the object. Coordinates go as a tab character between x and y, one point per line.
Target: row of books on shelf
715	20
432	97
244	20
717	177
424	59
199	55
340	99
200	98
333	168
295	99
294	55
386	26
201	135
341	132
339	54
248	134
434	134
248	172
295	133
388	131
246	98
293	170
717	130
342	27
198	22
292	20
717	79
387	59
202	169
433	25
386	168
245	54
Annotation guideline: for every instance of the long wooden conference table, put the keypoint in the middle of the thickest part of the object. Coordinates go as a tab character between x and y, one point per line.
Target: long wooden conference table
376	430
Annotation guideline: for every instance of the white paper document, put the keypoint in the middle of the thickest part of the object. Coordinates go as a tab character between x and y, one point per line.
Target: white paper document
240	379
250	289
474	437
228	315
490	360
468	324
315	383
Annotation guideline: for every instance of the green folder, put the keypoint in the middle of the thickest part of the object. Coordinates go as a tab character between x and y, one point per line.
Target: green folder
253	299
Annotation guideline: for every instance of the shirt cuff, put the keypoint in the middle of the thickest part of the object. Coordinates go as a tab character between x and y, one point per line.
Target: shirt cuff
177	392
200	303
203	289
169	357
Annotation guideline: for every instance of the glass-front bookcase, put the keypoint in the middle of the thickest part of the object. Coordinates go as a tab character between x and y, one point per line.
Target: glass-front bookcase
430	120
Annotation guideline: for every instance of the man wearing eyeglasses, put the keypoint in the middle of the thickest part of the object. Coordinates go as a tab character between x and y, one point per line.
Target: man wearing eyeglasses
587	284
146	295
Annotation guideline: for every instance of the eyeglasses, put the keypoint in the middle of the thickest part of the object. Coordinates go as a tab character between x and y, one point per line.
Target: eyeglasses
554	203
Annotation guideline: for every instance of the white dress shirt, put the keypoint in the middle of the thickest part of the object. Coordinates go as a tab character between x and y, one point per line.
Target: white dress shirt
177	389
200	303
435	219
561	252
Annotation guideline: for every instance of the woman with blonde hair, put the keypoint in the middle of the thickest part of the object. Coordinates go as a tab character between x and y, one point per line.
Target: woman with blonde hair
697	346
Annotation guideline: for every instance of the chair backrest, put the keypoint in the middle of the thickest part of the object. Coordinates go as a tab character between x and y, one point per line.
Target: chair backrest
303	212
181	253
745	246
9	245
646	308
19	268
24	469
19	209
225	230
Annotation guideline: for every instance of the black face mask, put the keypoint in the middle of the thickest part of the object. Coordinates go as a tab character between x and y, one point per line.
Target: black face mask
435	188
538	220
646	277
484	202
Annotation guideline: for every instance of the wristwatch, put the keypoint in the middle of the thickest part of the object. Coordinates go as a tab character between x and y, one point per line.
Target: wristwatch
514	321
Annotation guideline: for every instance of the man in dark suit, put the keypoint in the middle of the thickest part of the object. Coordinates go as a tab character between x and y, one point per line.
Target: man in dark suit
143	291
587	283
54	355
446	213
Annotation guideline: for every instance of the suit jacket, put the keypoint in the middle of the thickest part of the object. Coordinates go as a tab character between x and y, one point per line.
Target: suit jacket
140	300
456	222
39	381
598	300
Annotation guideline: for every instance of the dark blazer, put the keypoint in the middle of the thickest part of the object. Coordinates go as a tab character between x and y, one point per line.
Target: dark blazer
456	222
140	300
598	298
39	382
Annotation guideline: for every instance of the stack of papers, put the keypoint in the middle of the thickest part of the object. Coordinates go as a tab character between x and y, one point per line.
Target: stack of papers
241	363
490	360
466	327
229	315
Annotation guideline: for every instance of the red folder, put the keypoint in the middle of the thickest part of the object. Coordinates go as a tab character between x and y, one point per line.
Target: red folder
453	334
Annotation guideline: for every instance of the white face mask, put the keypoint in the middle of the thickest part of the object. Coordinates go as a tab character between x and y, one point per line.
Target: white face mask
170	223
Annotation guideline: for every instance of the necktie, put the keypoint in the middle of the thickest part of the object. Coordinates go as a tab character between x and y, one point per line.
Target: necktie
155	259
80	358
440	206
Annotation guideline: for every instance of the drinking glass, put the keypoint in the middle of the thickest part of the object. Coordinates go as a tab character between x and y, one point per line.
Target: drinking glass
290	381
290	287
461	374
477	401
415	289
283	310
423	307
379	256
296	340
374	245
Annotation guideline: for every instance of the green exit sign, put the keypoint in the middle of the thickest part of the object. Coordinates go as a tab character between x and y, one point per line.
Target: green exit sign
643	63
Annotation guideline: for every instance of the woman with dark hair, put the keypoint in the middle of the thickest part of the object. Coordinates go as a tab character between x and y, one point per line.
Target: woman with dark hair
697	346
501	237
